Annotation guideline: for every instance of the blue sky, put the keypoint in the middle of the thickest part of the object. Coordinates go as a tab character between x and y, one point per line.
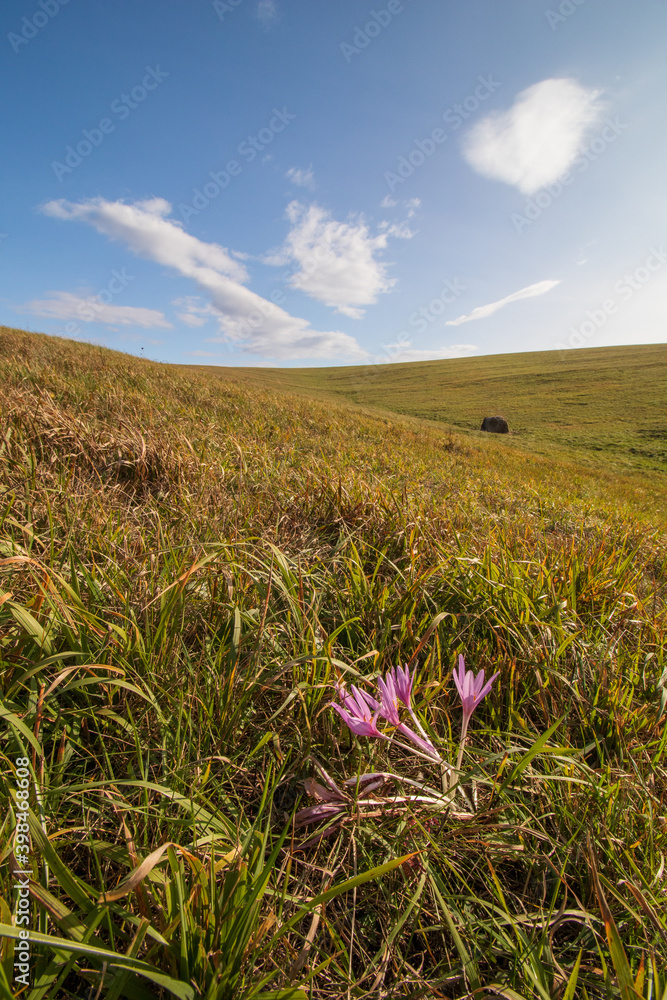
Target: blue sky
284	182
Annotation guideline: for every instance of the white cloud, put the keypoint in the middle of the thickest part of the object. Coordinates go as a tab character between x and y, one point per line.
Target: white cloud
148	233
481	312
538	138
267	12
89	309
336	261
247	320
412	204
302	178
401	230
194	313
404	351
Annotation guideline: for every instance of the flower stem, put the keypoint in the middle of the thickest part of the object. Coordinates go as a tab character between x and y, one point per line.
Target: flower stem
417	753
464	733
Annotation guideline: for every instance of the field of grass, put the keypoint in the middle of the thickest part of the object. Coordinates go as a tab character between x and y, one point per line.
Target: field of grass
190	560
606	405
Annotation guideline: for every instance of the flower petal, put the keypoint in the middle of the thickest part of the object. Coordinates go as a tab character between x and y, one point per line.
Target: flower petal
471	688
462	667
320	792
479	682
459	680
366	702
425	745
403	683
487	687
313	814
343	712
389	704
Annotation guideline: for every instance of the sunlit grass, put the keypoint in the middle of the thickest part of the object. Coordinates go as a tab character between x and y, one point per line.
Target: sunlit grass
603	405
188	565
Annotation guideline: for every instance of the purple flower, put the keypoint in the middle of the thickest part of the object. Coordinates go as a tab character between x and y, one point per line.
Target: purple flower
402	683
356	713
357	708
348	700
390	696
471	691
389	700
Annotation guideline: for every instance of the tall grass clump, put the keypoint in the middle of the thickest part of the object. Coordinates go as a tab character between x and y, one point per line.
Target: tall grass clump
189	570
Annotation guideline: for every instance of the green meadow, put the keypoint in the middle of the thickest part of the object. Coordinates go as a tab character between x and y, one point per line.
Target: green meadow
192	558
598	404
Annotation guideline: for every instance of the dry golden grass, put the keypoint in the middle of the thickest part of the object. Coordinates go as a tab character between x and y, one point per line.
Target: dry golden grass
192	561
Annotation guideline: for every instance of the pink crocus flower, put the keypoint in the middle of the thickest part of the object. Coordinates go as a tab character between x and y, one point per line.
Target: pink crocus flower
471	691
389	700
346	697
398	687
356	712
402	684
357	708
394	688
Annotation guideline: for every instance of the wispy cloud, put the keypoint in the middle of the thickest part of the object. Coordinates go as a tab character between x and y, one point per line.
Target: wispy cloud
537	140
194	313
88	309
247	321
411	205
481	312
337	261
302	178
267	12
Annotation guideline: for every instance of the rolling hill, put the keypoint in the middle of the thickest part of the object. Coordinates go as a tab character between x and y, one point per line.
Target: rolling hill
606	405
192	559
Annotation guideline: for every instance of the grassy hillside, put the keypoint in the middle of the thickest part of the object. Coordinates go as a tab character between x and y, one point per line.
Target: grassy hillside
189	561
606	405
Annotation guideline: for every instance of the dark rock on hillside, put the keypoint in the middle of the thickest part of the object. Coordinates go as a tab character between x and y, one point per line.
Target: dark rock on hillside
496	425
